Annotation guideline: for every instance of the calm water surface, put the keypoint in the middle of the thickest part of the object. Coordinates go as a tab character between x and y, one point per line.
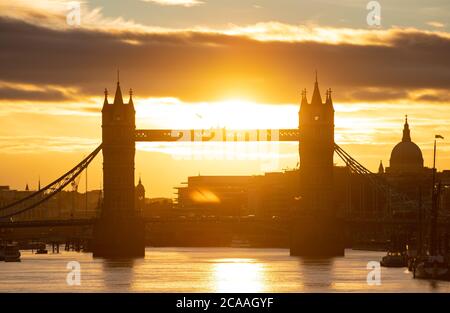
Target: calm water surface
208	270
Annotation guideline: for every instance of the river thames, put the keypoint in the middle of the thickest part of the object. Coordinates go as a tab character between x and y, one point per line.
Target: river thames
208	270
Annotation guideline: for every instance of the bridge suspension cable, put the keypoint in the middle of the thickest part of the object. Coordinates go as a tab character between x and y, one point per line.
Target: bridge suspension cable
398	201
33	200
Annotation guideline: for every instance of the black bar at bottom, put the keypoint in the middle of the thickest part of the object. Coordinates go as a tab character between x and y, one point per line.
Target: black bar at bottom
229	302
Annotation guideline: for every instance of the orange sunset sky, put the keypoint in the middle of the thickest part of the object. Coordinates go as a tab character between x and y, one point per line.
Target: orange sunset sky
203	64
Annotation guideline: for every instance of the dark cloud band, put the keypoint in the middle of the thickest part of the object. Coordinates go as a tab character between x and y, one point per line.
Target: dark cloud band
196	66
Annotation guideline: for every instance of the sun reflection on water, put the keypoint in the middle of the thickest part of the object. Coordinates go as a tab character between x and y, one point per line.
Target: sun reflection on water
238	275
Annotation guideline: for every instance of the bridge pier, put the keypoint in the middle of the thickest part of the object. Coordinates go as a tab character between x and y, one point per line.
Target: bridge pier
55	247
118	236
317	236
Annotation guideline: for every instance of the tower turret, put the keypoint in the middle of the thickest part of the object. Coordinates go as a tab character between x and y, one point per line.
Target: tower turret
130	102
140	196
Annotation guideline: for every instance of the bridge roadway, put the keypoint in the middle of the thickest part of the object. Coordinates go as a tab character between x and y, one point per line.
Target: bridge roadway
187	231
47	223
91	221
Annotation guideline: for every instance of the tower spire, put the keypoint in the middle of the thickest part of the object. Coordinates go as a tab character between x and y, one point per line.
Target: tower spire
316	98
406	130
118	96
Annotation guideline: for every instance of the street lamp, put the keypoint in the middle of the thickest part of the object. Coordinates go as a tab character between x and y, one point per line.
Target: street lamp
434	158
434	209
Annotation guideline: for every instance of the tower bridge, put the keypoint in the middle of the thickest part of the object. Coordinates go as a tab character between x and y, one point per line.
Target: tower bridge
315	229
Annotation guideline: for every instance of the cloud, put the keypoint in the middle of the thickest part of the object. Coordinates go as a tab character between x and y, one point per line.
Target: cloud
204	64
436	24
45	99
276	31
184	3
15	94
433	96
53	14
375	94
201	66
28	92
39	144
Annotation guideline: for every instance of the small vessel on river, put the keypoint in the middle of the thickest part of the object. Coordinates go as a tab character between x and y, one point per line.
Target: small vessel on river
10	253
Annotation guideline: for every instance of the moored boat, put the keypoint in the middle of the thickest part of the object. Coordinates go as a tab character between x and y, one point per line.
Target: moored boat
10	253
431	267
394	259
41	251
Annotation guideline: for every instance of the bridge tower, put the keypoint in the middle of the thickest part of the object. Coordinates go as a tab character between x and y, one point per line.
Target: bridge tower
316	230
120	229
